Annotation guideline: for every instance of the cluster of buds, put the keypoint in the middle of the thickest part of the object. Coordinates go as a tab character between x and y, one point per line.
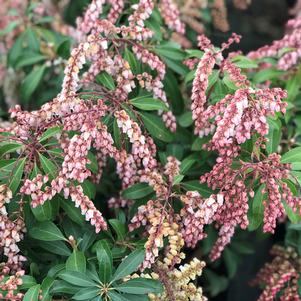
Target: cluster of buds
178	282
9	285
197	213
11	232
140	149
291	41
171	16
219	15
280	277
231	184
159	224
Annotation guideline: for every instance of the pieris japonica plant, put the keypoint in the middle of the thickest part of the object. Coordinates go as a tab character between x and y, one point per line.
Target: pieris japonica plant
145	150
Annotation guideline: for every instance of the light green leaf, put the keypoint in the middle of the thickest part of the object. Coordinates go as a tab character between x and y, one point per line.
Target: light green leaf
32	294
292	156
106	80
148	103
76	262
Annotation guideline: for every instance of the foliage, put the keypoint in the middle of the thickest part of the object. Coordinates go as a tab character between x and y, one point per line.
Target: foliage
122	149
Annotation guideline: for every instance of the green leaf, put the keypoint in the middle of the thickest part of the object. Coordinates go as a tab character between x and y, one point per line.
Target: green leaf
266	74
130	58
170	52
140	286
105	260
244	62
17	175
72	212
292	156
45	287
273	136
87	293
229	83
129	264
137	191
119	228
195	185
156	127
43	212
63	49
77	279
9	147
231	262
148	103
56	247
185	120
46	231
31	82
186	164
60	287
117	297
32	294
256	213
106	80
76	262
293	86
177	179
48	166
27	282
50	132
28	59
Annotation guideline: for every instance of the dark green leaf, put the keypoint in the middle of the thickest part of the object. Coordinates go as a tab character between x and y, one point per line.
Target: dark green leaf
46	231
148	103
195	185
105	260
77	278
156	127
86	293
119	228
137	191
129	264
140	286
31	82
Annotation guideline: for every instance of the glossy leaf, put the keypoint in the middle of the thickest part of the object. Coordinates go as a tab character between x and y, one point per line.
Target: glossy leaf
46	231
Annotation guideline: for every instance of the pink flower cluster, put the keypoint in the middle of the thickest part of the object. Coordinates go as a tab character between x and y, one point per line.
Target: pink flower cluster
231	184
196	213
281	276
171	16
11	232
291	41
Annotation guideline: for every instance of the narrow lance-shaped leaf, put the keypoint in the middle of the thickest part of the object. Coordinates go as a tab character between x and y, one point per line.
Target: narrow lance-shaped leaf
129	264
47	231
76	262
105	260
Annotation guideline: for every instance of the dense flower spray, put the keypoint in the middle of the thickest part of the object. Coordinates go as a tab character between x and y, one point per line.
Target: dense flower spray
280	277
